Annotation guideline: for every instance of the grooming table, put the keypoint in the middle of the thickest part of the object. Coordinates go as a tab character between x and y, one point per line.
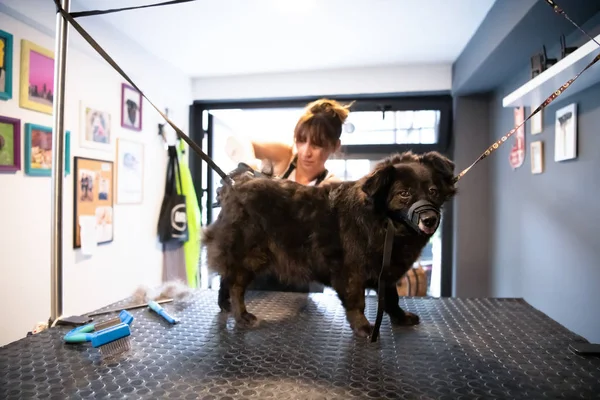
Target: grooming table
304	349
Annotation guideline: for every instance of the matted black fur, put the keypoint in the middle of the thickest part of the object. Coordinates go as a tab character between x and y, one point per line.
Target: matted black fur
333	234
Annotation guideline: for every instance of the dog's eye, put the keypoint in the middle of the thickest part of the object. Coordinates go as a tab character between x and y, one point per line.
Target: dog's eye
405	193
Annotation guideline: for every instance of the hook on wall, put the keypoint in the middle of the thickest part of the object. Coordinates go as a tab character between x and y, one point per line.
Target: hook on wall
161	131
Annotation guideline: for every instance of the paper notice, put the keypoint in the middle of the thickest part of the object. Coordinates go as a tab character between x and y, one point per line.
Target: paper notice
87	223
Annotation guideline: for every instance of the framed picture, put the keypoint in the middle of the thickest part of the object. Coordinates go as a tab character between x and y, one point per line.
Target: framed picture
130	172
131	108
96	128
37	77
537	157
10	144
537	123
38	150
6	65
565	134
93	197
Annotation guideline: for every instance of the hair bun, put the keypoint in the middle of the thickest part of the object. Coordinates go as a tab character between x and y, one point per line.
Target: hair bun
329	107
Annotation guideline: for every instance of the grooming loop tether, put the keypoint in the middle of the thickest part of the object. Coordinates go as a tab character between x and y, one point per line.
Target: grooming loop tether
61	42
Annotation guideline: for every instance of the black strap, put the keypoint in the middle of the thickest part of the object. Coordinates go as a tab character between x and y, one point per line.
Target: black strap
104	55
387	258
320	178
99	12
174	171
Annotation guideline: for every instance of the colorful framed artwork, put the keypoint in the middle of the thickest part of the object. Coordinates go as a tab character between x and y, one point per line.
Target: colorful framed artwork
37	77
96	128
537	157
6	65
10	144
38	150
131	108
130	172
93	199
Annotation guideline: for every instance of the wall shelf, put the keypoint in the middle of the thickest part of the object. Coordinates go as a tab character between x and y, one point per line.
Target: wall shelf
534	92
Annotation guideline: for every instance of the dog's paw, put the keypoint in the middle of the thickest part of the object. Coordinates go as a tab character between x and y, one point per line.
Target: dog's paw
247	318
405	319
363	331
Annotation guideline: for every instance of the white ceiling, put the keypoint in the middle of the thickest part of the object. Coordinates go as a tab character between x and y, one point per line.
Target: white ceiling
235	37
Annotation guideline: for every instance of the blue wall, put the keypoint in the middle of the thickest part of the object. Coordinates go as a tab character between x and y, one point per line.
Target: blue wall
545	229
517	234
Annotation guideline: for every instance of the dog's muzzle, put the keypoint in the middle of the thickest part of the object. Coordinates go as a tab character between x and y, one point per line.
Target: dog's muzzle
422	213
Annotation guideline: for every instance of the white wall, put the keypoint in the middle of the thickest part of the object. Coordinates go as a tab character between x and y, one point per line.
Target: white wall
134	257
401	79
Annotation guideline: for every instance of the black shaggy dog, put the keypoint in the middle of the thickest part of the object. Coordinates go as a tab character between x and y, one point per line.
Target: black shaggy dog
333	234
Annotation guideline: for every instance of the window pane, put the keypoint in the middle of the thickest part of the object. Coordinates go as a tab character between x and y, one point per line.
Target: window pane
428	136
404	119
337	167
370	127
356	169
398	127
417	127
425	119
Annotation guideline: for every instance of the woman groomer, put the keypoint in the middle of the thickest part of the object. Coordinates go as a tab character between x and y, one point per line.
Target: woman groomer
316	138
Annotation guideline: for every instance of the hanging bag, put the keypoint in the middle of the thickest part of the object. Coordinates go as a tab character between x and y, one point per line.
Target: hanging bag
172	220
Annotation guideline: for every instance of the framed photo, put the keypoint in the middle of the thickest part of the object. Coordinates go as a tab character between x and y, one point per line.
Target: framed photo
10	144
130	172
38	150
565	134
96	128
37	77
131	108
537	157
6	65
537	123
93	197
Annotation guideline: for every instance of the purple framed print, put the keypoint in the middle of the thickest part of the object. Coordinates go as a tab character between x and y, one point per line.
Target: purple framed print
10	144
131	108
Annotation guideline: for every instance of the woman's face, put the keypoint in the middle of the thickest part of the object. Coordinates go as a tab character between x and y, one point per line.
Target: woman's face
312	158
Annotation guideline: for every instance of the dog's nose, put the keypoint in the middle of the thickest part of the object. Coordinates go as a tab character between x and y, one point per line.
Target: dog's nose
430	221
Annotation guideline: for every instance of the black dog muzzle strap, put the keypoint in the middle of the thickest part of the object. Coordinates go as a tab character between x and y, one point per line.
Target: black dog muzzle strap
413	215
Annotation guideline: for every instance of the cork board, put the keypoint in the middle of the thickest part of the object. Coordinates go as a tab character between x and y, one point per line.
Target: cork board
93	196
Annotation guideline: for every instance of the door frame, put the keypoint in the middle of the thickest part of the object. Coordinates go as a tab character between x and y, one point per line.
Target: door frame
201	128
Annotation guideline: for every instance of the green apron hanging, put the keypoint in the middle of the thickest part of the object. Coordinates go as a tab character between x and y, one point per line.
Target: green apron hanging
192	246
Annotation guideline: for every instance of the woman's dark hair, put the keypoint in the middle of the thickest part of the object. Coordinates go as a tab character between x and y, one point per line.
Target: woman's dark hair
322	122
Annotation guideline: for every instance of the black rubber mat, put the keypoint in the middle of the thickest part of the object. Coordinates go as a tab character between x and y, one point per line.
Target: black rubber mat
304	349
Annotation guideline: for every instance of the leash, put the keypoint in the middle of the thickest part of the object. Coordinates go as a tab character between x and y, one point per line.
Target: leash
108	59
387	257
549	100
226	179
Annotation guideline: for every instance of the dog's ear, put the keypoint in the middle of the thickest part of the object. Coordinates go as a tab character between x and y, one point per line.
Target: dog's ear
380	179
442	166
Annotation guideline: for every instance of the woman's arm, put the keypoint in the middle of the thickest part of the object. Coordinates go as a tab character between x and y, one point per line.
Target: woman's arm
276	152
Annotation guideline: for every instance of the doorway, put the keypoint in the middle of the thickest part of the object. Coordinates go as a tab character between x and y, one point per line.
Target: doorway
376	128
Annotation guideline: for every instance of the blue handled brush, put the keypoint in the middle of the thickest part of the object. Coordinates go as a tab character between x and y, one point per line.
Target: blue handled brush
85	333
161	311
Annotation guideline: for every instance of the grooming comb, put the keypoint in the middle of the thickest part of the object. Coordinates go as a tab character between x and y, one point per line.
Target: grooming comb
84	333
130	307
161	311
113	340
